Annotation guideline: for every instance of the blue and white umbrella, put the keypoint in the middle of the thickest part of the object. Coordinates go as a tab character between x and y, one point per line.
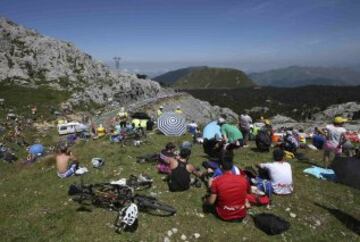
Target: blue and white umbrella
171	124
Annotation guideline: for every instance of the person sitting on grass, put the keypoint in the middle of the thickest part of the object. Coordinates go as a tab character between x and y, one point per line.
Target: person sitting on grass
64	157
280	174
164	163
290	143
318	139
228	194
214	167
179	178
232	136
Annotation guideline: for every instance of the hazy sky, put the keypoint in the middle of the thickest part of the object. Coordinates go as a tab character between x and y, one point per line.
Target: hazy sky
157	35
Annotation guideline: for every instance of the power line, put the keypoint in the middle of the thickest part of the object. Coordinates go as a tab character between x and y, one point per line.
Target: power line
117	62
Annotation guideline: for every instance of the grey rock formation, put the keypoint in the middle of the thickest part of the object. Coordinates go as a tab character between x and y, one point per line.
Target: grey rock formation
280	119
348	110
193	109
258	110
31	59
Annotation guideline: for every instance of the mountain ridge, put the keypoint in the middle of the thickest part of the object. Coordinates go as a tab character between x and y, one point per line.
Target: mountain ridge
295	76
204	77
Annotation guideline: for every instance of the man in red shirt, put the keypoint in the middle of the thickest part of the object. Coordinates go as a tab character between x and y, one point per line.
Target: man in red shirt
228	194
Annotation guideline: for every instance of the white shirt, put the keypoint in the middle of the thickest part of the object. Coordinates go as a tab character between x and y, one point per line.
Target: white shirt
335	133
280	175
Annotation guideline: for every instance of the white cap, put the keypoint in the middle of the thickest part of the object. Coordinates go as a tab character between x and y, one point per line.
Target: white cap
221	120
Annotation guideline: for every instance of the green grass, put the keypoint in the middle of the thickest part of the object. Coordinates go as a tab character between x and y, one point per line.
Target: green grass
21	99
35	206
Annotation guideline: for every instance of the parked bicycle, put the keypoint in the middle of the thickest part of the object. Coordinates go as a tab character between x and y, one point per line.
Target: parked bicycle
120	196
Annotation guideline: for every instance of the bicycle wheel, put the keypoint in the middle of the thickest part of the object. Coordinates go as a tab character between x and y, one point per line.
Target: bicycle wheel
153	206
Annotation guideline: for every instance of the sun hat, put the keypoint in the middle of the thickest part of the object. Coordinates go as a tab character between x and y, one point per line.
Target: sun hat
221	120
340	120
267	121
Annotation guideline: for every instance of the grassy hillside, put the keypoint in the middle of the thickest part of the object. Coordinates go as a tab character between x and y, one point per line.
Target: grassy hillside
169	78
297	103
205	78
21	99
35	206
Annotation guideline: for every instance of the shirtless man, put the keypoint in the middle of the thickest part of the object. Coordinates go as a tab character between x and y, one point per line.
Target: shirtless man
63	158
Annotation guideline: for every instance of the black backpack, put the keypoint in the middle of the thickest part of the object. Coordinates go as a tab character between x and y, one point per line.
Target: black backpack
263	140
270	223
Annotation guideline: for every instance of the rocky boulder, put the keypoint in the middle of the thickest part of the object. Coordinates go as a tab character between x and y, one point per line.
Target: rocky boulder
349	110
280	119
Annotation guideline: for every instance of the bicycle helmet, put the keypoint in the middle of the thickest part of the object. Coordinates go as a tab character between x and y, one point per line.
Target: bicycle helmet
129	215
97	162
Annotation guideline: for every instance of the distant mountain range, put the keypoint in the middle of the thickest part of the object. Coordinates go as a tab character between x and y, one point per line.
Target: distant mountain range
295	76
203	77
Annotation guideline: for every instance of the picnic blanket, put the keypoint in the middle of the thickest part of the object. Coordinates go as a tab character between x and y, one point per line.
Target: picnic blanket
321	173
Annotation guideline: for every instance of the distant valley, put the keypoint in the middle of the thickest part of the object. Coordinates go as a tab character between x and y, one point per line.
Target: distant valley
295	76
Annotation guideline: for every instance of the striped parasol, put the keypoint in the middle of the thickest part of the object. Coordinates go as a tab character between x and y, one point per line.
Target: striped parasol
171	124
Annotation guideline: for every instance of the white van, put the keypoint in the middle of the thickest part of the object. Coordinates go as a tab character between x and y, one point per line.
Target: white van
71	128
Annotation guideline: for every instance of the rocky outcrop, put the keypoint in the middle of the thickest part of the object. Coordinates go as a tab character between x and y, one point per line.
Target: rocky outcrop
280	119
31	59
349	110
193	109
261	110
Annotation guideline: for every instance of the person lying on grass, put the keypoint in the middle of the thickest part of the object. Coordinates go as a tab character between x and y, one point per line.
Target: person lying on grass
179	177
64	157
280	174
164	163
228	194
